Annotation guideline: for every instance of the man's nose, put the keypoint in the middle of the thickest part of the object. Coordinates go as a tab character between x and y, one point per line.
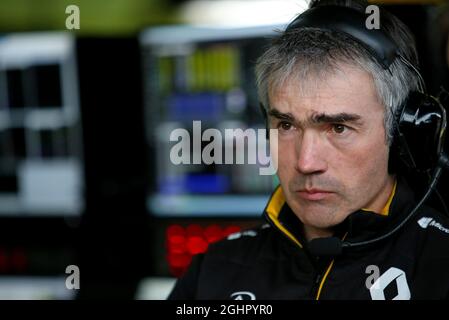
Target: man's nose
310	154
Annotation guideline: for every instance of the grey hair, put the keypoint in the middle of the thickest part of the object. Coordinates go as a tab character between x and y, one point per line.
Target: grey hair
311	53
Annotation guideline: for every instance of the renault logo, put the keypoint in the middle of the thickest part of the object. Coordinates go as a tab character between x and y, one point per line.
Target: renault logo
243	295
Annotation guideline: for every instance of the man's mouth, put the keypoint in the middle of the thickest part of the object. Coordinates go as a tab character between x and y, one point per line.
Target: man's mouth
314	194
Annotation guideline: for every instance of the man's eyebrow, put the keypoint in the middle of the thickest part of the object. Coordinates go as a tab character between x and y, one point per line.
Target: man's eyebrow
318	118
280	115
335	118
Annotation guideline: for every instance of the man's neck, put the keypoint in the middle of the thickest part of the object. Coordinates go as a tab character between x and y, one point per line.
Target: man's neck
311	232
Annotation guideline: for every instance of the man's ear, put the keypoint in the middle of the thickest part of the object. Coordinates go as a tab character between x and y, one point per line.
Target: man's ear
265	116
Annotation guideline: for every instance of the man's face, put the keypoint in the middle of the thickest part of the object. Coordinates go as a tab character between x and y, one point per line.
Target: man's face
333	155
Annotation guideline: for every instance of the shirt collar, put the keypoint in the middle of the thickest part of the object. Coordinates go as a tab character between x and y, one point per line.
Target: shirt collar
280	216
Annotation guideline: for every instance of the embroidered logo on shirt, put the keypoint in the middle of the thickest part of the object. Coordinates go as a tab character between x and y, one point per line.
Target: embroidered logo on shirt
392	276
430	222
243	295
247	233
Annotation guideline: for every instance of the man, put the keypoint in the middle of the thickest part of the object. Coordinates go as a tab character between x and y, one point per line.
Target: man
334	106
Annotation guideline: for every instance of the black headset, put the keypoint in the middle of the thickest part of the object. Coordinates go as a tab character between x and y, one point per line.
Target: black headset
419	124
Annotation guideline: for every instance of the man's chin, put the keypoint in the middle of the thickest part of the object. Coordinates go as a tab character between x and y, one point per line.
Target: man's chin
320	219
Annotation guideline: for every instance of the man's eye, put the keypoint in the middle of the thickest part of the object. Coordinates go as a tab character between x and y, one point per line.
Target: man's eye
339	128
284	125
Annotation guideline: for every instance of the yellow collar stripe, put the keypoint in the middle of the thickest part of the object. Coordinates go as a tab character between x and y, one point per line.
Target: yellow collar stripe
386	210
324	279
274	208
327	273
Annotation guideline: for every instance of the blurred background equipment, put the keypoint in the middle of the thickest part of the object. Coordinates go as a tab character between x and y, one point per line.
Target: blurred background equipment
41	158
41	162
85	122
200	73
203	74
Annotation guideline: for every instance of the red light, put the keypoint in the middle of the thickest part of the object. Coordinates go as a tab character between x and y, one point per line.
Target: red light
178	263
178	260
176	243
175	230
177	248
183	243
196	245
231	229
194	230
213	233
175	239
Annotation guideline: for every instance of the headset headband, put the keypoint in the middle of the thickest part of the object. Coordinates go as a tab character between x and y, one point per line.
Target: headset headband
348	21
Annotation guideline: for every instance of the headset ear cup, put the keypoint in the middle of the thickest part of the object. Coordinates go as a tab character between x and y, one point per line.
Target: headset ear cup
400	159
419	133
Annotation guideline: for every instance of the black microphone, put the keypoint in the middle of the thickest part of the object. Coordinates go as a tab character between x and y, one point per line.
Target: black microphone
333	246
